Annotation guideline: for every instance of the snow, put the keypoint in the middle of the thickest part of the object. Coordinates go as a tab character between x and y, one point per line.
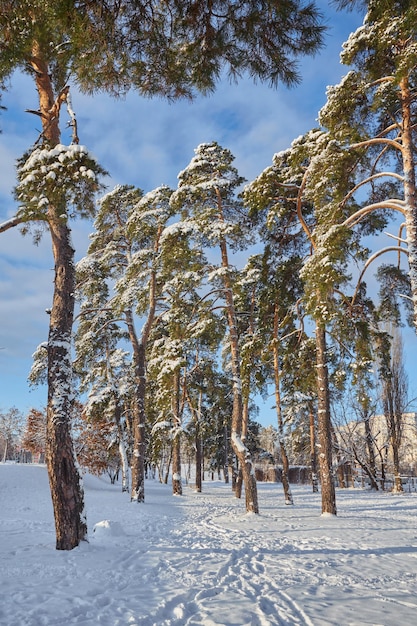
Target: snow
199	559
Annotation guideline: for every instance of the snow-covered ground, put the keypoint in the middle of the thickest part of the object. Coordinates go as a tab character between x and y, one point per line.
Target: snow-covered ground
200	560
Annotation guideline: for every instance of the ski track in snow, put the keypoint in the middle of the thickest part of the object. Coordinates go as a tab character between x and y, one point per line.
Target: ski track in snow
200	560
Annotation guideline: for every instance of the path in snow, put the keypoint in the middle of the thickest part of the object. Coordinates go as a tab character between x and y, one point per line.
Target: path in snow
199	560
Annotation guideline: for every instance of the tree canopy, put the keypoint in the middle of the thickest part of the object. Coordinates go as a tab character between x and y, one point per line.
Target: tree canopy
170	48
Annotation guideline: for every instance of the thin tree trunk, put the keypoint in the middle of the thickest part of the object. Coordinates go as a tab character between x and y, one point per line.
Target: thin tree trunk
313	453
139	444
64	479
371	453
139	409
239	447
198	459
328	494
226	455
176	441
340	465
245	420
284	457
122	448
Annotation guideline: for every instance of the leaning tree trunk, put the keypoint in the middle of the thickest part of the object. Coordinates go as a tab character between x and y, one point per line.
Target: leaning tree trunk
328	495
64	479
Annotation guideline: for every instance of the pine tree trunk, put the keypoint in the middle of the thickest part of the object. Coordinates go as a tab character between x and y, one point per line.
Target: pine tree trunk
226	455
241	451
245	412
371	453
64	479
239	483
198	458
122	447
410	199
340	464
328	495
395	446
284	457
139	416
176	442
313	453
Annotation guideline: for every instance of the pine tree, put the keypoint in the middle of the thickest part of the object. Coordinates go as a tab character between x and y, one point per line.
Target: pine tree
206	199
115	46
122	264
371	113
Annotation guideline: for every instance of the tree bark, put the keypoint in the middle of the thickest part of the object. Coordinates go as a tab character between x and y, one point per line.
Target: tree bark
122	447
410	200
139	409
313	453
139	443
176	441
64	479
198	458
328	495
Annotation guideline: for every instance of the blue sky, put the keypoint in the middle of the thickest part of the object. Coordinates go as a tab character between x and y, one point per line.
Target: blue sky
145	143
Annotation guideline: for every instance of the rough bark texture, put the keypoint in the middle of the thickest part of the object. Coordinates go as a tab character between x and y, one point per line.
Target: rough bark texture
409	186
64	479
65	483
328	495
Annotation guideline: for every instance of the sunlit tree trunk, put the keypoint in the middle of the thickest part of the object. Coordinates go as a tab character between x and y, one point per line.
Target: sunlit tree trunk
328	494
64	479
139	443
176	441
122	447
410	200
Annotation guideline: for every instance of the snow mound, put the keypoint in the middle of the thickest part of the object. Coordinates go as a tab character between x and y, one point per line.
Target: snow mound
107	530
